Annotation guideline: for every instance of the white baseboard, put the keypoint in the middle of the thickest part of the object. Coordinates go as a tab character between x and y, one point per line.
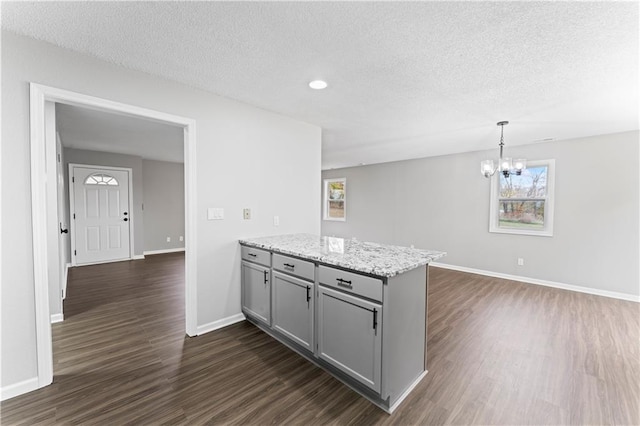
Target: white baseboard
18	388
215	325
407	391
563	286
171	250
137	257
57	318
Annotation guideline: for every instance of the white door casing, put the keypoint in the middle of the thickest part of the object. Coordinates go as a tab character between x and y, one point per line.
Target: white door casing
100	213
40	211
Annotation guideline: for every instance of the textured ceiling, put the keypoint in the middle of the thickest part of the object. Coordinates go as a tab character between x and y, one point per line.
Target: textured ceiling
84	128
405	80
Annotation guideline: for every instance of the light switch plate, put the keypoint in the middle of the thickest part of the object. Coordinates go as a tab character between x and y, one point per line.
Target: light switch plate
246	213
276	221
215	213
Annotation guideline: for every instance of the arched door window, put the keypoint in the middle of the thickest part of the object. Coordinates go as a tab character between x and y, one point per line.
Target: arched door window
101	179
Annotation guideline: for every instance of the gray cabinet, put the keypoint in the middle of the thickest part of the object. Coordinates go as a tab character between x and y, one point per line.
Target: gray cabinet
350	335
256	291
293	303
333	316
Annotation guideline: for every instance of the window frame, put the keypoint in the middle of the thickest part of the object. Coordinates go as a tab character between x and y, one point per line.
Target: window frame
494	210
326	200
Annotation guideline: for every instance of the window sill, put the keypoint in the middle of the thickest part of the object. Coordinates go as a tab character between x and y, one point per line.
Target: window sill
542	233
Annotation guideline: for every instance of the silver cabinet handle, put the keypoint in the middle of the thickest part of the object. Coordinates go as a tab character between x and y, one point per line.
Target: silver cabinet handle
344	283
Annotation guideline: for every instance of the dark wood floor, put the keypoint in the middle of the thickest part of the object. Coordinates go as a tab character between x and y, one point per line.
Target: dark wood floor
500	352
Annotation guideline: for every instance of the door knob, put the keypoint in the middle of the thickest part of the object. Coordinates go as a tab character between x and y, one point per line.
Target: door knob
126	219
64	231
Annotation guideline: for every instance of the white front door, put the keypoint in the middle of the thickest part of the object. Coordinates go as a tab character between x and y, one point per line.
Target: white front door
101	214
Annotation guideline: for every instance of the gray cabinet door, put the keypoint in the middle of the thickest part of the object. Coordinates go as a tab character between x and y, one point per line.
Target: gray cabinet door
293	309
350	335
256	291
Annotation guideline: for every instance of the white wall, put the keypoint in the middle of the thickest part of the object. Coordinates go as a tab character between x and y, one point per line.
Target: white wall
97	158
246	157
163	204
442	203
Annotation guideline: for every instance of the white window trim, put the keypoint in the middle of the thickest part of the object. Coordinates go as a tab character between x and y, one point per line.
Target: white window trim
325	200
547	231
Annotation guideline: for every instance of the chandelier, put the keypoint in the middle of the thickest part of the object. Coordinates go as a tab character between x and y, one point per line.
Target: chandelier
506	165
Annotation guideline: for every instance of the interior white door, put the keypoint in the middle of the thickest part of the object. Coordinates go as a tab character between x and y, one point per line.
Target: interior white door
101	215
63	242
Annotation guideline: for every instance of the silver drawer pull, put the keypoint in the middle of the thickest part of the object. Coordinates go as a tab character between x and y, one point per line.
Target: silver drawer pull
344	283
288	265
252	255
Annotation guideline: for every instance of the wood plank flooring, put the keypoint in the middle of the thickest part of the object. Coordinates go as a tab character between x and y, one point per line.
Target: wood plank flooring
500	352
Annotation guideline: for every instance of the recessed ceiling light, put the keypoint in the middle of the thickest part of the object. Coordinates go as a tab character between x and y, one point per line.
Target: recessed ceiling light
318	84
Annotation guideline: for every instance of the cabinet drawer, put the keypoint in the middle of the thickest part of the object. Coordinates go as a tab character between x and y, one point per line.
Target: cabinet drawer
293	266
255	255
350	282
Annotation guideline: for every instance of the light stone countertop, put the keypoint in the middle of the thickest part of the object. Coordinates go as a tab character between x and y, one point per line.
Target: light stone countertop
371	258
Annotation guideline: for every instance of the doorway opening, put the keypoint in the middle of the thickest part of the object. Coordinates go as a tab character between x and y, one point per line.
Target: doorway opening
44	189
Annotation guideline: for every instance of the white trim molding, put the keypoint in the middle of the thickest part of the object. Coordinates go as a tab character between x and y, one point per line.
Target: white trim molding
65	280
170	250
39	214
138	257
221	323
39	96
19	388
57	318
536	281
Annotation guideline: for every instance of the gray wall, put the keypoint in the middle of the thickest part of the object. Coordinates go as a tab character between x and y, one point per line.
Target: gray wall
243	153
442	203
163	204
96	158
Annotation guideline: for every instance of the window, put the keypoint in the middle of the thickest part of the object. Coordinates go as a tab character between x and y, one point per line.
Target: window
101	179
335	199
524	204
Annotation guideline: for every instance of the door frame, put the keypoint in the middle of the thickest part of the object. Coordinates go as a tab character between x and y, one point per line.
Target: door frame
43	160
72	205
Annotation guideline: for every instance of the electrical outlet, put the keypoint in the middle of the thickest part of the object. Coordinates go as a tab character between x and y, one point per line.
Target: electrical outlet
520	261
246	213
276	221
181	238
168	239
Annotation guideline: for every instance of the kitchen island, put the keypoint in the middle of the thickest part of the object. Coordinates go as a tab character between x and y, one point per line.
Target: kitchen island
357	309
